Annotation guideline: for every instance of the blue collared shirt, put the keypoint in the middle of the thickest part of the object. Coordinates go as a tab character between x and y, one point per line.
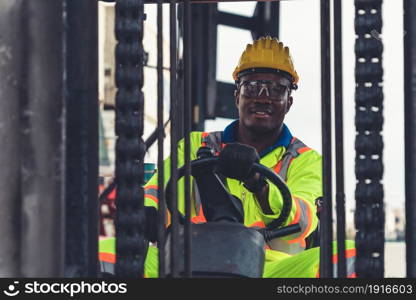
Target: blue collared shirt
229	135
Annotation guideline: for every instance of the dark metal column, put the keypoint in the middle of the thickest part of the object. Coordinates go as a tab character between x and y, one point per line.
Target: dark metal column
339	137
326	270
410	132
204	41
187	130
160	142
174	136
266	19
82	138
11	50
43	140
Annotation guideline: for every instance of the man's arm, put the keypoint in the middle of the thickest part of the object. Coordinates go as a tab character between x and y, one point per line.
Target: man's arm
151	187
304	180
261	194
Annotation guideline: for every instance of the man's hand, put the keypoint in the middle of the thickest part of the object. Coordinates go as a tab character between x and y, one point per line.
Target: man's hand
236	161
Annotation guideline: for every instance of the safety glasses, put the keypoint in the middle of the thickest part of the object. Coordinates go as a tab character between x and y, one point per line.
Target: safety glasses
255	88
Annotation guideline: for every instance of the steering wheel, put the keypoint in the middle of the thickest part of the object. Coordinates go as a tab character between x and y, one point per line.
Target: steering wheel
205	164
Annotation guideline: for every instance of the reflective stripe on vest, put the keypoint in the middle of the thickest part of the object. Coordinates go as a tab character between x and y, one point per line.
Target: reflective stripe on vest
151	193
295	148
350	255
107	261
213	140
304	218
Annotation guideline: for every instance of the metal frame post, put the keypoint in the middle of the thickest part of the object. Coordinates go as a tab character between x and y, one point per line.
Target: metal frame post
82	138
11	85
160	138
174	136
326	270
42	151
339	137
187	131
409	132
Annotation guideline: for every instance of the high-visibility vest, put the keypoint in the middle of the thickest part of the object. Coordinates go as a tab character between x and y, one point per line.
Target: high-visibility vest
305	190
296	147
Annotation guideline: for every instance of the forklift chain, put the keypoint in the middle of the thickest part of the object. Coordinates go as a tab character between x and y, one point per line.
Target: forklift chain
131	245
369	193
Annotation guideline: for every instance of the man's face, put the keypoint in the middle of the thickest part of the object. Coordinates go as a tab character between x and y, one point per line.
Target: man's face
264	110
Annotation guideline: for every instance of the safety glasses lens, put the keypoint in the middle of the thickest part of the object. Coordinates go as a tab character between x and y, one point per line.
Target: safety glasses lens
256	88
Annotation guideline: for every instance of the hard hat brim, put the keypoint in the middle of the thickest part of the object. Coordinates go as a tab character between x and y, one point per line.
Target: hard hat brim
265	70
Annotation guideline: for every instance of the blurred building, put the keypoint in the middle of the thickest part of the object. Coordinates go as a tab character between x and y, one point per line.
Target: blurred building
107	88
395	224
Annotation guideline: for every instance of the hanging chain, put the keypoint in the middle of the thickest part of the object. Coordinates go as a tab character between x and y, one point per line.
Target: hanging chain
131	246
369	193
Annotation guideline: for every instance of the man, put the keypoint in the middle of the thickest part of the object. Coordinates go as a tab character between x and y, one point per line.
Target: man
265	79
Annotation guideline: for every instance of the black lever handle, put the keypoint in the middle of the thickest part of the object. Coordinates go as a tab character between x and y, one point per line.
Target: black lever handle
270	234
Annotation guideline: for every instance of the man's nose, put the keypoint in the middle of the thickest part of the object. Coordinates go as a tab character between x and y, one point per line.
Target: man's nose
264	89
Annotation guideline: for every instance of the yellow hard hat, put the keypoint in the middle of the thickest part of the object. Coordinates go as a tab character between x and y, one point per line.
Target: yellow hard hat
264	55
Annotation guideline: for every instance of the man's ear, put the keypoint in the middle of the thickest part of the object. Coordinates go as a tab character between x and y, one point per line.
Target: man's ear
236	98
289	103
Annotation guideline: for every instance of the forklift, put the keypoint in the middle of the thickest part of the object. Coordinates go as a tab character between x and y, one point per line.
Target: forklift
49	178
